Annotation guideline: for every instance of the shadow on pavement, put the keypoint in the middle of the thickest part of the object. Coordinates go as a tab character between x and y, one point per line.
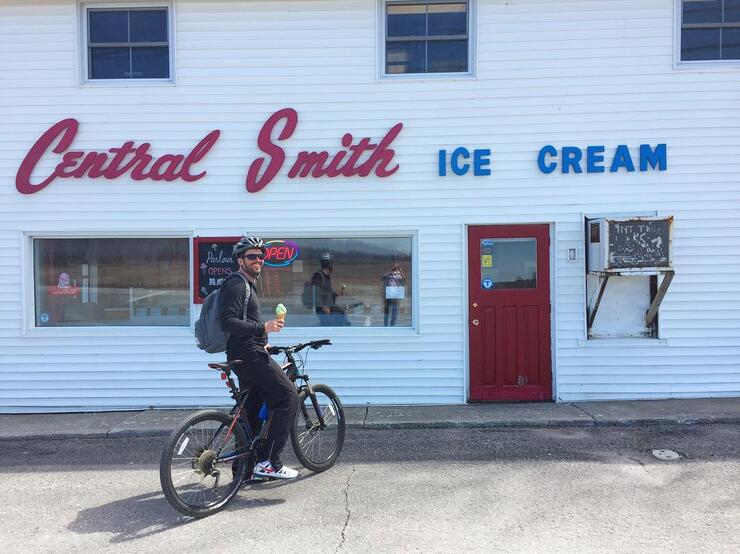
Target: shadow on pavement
145	515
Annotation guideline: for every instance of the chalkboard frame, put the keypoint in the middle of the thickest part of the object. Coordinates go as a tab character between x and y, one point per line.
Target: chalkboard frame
197	241
620	262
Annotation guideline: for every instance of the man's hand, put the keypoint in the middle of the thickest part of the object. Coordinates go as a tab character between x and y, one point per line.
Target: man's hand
326	309
274	326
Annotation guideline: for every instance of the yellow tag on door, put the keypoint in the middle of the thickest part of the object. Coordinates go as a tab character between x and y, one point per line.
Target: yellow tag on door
486	260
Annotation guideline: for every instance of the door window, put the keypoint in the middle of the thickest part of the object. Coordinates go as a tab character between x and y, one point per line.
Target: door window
508	263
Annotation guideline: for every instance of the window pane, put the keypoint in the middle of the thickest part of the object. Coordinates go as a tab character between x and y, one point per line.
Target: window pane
699	44
730	44
150	62
406	21
148	26
405	57
702	11
447	56
368	285
108	26
109	63
732	11
104	282
448	19
508	264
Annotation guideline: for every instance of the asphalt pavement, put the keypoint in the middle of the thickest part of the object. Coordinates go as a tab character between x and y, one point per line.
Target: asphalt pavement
583	488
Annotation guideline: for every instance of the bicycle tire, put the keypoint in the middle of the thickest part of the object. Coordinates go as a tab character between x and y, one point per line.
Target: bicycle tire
201	459
305	432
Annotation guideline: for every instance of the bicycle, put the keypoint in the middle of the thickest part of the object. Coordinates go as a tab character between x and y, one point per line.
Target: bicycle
207	458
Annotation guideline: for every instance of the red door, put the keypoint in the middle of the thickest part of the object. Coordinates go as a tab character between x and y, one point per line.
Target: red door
509	312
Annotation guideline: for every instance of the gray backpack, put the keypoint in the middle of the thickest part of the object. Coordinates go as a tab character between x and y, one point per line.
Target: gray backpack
209	335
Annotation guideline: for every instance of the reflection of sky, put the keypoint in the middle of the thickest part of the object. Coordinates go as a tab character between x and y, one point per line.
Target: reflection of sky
393	247
512	259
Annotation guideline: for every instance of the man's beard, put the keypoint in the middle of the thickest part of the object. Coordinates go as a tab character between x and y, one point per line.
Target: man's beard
251	272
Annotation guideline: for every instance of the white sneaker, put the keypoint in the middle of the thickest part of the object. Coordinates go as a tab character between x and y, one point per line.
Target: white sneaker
265	469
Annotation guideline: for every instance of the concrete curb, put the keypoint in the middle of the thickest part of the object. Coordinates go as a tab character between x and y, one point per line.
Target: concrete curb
380	426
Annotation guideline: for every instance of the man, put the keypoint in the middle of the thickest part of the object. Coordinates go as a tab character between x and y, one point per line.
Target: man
330	315
248	342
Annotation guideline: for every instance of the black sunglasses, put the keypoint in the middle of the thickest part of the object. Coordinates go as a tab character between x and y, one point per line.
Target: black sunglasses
253	257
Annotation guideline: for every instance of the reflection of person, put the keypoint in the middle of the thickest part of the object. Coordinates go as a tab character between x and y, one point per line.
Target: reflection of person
248	342
393	291
330	315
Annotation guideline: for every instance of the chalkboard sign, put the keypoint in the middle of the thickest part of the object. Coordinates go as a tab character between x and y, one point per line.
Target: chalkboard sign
639	243
213	263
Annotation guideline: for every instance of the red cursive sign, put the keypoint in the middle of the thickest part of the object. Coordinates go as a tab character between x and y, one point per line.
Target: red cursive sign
108	165
345	163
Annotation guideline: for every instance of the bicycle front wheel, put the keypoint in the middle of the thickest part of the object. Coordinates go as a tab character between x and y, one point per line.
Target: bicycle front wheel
317	445
199	470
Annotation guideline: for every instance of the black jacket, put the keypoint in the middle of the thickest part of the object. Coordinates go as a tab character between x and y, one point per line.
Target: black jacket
247	336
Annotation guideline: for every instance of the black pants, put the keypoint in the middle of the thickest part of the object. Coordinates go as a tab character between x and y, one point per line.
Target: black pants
274	388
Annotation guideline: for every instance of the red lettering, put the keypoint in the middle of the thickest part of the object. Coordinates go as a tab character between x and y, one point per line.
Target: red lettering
306	161
254	182
65	131
170	162
113	170
382	155
141	159
92	161
69	161
197	154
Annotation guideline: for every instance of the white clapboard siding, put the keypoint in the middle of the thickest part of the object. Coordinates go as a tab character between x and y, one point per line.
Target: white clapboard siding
588	72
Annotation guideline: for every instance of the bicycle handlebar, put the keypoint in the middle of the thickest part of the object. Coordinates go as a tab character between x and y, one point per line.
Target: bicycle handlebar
315	344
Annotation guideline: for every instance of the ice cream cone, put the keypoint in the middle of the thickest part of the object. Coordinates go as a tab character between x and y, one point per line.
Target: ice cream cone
280	312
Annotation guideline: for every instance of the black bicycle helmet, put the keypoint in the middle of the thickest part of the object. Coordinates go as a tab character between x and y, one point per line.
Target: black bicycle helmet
327	258
247	243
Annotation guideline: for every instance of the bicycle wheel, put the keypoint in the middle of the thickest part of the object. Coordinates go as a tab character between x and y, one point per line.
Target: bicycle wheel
198	472
317	447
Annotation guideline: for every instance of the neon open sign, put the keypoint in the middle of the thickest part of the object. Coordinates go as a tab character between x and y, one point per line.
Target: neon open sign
281	253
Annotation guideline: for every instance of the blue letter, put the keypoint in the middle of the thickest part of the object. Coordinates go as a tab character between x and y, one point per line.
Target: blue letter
454	161
442	163
572	158
658	157
481	161
622	158
594	155
547	151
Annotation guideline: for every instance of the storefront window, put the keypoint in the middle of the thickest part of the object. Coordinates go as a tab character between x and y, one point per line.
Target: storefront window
112	281
358	282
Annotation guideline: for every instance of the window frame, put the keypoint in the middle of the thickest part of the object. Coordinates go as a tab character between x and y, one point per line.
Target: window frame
29	298
678	63
85	7
471	73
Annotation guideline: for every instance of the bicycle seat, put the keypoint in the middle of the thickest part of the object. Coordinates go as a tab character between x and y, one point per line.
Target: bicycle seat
228	365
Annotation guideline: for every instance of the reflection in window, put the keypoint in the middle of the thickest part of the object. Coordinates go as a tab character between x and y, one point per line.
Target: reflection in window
128	44
710	30
426	37
112	281
508	263
358	282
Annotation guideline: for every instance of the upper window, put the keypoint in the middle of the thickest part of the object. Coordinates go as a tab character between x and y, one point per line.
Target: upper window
710	30
128	43
429	36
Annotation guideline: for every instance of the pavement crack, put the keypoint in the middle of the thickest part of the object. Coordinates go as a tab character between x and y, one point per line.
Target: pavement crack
367	412
577	407
347	510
